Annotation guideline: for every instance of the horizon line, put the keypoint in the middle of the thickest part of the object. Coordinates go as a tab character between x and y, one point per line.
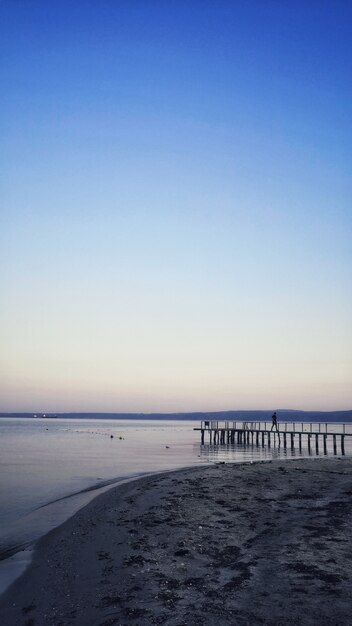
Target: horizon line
68	412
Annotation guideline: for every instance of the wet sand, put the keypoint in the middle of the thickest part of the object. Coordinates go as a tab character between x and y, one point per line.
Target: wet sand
259	543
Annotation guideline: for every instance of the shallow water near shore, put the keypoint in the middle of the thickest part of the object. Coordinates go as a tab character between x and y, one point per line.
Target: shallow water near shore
52	467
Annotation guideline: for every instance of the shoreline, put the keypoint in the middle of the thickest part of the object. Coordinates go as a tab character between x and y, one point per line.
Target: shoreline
20	557
257	542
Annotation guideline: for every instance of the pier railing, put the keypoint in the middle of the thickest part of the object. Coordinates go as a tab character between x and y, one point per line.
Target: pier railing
222	432
282	427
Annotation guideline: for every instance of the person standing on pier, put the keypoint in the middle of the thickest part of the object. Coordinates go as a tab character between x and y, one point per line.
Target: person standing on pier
274	422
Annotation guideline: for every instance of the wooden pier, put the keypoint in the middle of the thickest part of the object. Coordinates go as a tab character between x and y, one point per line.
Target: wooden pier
286	434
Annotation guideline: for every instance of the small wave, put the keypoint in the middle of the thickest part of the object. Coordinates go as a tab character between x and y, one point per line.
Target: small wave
100	485
8	551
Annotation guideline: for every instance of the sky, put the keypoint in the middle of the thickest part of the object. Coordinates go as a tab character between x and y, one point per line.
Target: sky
176	212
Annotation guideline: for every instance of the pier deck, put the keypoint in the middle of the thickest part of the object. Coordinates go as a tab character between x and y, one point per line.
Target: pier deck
262	432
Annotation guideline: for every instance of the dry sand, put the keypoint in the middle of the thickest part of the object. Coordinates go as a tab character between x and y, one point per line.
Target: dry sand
264	543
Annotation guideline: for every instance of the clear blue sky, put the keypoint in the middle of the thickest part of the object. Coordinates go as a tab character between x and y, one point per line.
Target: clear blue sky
176	205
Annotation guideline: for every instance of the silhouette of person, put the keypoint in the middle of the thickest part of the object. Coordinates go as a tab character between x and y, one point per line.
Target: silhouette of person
274	422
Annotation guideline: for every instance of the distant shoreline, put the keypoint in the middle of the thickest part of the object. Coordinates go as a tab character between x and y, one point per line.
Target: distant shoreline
262	415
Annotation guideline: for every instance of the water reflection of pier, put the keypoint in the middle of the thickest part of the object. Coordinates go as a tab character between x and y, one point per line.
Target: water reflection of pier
285	433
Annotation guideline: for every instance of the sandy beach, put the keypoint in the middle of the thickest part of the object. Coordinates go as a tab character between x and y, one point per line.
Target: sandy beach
259	543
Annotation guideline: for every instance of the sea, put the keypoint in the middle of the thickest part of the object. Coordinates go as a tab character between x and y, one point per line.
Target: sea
51	467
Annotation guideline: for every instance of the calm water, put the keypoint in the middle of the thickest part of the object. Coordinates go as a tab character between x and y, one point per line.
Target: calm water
52	467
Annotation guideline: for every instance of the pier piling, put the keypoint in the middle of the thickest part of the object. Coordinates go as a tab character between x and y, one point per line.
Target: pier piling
255	433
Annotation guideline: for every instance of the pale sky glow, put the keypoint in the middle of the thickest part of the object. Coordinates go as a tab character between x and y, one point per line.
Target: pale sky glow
176	206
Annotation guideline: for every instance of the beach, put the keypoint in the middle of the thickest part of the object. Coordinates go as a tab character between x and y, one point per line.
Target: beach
253	543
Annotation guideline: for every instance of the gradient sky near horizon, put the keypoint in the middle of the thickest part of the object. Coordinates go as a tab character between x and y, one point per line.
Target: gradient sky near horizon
176	205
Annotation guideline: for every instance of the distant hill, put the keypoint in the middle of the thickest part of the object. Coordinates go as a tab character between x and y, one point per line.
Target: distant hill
287	415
